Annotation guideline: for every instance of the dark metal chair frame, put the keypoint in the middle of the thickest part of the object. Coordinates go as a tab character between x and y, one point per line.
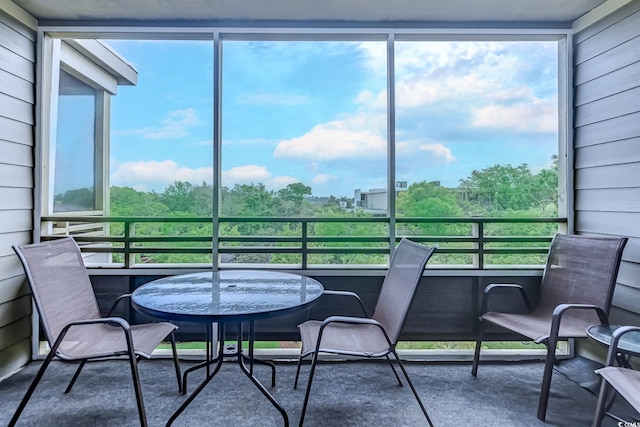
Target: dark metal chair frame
407	264
575	293
73	271
617	378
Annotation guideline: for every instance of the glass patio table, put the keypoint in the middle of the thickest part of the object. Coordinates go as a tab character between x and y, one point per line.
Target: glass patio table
222	297
629	344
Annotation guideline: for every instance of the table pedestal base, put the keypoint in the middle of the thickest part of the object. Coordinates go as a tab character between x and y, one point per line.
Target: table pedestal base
227	351
230	350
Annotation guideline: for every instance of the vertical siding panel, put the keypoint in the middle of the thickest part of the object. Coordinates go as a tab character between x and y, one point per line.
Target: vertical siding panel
17	77
607	144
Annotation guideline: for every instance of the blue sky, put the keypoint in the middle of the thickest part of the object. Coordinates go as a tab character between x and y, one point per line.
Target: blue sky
316	112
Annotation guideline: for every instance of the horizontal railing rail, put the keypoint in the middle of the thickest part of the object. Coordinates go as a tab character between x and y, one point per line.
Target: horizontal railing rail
469	242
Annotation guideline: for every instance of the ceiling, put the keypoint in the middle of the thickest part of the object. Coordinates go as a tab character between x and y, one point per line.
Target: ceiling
464	12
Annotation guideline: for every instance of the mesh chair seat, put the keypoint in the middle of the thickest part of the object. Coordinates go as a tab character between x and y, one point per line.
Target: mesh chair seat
344	338
626	382
100	340
537	326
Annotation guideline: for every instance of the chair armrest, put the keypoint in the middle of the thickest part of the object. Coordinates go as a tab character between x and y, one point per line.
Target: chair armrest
116	302
348	294
562	308
488	291
349	319
559	311
107	320
352	320
615	339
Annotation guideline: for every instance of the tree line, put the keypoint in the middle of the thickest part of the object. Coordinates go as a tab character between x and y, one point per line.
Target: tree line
496	191
499	190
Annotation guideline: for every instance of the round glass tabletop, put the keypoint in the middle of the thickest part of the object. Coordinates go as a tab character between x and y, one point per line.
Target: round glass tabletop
629	343
226	295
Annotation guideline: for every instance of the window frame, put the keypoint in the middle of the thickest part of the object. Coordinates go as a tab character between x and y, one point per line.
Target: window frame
48	35
62	57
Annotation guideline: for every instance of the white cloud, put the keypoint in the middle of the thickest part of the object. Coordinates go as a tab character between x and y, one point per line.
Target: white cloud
372	101
427	57
439	150
416	93
323	178
158	174
254	174
374	56
137	174
356	136
245	175
487	81
538	116
175	125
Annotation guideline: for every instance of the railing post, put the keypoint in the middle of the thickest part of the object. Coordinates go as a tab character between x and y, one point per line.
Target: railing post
481	244
478	233
304	242
129	258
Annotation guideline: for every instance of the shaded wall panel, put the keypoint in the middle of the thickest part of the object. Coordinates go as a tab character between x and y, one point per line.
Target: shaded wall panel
617	152
446	308
17	77
607	146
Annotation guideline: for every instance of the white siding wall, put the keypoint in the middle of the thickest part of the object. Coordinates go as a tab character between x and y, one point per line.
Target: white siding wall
17	82
607	143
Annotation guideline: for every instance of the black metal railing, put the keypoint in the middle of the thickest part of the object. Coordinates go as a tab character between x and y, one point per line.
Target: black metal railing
470	242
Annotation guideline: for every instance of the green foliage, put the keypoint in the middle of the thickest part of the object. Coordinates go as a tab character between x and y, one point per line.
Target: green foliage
429	200
504	188
496	191
293	195
125	201
249	200
254	200
79	199
185	197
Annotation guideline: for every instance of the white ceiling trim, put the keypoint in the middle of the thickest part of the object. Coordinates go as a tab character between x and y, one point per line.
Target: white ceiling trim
600	12
19	14
271	12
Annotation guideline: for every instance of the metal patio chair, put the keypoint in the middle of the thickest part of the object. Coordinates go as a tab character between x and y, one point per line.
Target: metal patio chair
620	379
375	336
71	320
576	291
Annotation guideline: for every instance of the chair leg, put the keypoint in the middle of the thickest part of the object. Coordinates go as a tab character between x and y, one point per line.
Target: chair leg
306	395
413	389
32	388
295	382
546	379
605	389
176	362
476	354
138	391
393	368
133	362
75	376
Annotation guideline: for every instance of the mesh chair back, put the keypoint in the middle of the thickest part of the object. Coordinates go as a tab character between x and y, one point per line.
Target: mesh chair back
59	282
400	285
581	270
